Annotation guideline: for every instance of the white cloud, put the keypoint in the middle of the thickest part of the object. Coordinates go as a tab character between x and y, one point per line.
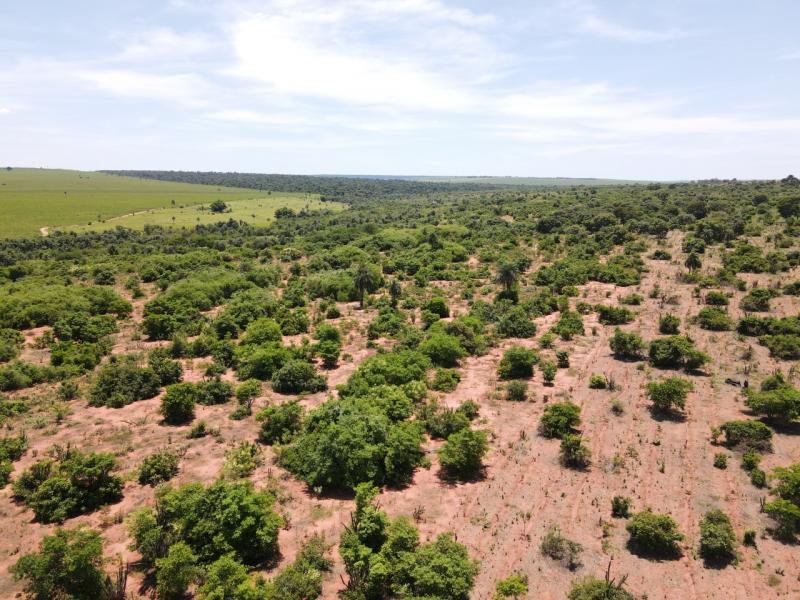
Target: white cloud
164	45
306	55
603	27
186	89
4	110
793	55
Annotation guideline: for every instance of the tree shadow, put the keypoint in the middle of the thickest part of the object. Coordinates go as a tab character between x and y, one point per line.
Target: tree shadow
719	563
453	479
792	428
648	554
667	415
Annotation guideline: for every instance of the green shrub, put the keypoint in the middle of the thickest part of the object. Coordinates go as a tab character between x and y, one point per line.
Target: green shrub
558	547
714	318
613	315
569	325
779	403
674	352
716	298
721	460
669	394
620	507
654	534
444	350
280	423
158	468
560	419
463	452
296	377
121	382
757	300
598	382
669	324
717	538
591	588
549	370
176	571
574	453
438	306
786	514
516	391
168	371
562	357
749	434
626	345
72	484
514	586
69	564
177	404
517	363
442	422
242	460
445	380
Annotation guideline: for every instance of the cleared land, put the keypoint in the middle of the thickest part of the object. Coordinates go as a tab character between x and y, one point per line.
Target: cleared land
32	199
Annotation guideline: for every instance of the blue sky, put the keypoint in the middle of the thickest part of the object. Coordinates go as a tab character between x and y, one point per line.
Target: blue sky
677	89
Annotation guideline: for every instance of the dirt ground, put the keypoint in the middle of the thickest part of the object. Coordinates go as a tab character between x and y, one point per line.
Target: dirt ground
660	463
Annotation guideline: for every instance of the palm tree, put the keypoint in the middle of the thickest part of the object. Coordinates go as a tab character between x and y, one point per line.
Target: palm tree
507	275
364	279
693	262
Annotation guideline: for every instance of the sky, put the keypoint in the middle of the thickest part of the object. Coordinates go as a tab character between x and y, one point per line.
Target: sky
635	89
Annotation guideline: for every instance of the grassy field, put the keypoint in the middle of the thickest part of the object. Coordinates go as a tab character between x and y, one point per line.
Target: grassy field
255	211
33	199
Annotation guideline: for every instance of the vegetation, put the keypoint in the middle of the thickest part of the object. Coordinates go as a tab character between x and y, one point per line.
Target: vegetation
669	394
517	363
560	419
717	538
463	452
654	534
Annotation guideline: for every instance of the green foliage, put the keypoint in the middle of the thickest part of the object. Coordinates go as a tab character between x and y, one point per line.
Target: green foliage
786	514
69	565
779	403
569	324
574	453
626	345
280	422
296	377
669	394
716	298
462	454
654	534
167	370
159	467
516	391
598	382
121	382
674	352
517	363
176	571
177	404
437	306
717	538
620	507
445	380
442	422
591	588
560	419
714	318
613	315
443	349
242	460
549	370
747	433
668	324
72	484
513	586
721	460
558	547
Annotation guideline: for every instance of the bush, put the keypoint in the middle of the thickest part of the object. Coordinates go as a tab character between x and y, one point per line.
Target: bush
168	371
675	352
121	382
669	324
716	298
242	460
296	377
262	331
514	586
669	394
717	538
721	460
176	571
73	484
620	507
517	391
757	300
787	516
626	345
445	380
569	324
226	518
574	453
562	357
554	545
437	306
591	588
444	350
442	422
549	370
177	404
598	382
517	363
749	434
714	318
654	534
280	423
560	419
463	452
69	564
779	403
158	468
514	322
613	315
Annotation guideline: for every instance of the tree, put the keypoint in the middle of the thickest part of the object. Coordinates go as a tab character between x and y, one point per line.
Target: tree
574	453
218	206
507	275
514	586
227	579
669	394
158	468
549	370
69	564
669	324
177	404
786	514
693	262
717	538
176	571
654	534
779	403
463	452
443	349
298	376
280	423
626	345
365	280
559	419
517	363
395	290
